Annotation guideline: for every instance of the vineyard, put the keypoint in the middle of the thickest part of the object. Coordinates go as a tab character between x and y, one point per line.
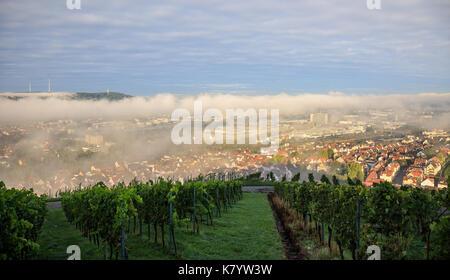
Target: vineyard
356	217
405	223
22	215
104	214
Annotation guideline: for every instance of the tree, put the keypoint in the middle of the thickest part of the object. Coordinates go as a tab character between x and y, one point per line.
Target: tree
446	172
271	176
441	158
324	179
440	239
429	153
296	177
311	178
335	180
326	153
294	154
279	158
355	170
350	182
336	168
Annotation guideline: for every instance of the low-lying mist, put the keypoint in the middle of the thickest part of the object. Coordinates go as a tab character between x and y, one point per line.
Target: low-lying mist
126	135
54	108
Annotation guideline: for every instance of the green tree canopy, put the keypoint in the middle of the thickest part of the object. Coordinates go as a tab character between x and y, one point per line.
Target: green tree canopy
355	171
326	153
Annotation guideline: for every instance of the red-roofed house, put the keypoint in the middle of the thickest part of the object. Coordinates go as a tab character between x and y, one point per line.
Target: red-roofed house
428	183
432	168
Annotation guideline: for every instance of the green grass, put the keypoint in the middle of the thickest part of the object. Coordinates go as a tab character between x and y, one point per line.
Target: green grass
316	251
57	234
54	199
257	183
246	231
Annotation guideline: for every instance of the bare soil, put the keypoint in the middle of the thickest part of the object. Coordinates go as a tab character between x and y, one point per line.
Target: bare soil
258	189
291	250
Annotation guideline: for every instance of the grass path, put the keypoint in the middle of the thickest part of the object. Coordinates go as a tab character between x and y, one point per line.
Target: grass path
57	234
247	231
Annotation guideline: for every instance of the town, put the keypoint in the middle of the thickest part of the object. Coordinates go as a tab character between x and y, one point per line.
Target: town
54	156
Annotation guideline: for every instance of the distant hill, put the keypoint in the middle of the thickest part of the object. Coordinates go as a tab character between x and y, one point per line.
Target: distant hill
111	96
99	95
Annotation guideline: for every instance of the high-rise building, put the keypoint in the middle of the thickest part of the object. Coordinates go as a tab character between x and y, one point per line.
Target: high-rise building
94	139
318	118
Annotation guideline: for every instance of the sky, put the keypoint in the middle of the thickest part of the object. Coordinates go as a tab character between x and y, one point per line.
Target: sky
246	47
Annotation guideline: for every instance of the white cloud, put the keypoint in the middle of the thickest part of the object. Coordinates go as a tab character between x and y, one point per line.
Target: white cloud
406	37
36	109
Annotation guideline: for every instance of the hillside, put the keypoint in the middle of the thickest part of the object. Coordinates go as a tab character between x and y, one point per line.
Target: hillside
246	231
99	95
111	96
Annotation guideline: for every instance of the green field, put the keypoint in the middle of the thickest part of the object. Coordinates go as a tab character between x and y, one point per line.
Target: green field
246	231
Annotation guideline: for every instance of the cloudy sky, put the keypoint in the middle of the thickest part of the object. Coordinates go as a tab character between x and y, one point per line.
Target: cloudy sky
249	47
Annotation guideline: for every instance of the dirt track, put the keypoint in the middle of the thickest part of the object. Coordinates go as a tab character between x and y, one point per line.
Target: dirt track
290	250
54	204
258	189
